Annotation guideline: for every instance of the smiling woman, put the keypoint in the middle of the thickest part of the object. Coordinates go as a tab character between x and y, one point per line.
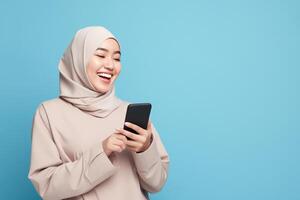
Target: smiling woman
108	56
79	147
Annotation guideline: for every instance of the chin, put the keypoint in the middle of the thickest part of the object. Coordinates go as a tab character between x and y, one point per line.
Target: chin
103	89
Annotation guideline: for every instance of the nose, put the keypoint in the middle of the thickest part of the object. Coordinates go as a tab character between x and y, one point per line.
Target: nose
109	64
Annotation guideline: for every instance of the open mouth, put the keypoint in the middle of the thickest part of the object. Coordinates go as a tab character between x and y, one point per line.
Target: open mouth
105	76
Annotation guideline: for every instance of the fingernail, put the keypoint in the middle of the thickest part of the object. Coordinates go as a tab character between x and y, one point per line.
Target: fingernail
126	123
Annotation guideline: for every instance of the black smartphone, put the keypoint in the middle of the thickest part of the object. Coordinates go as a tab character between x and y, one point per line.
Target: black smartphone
138	114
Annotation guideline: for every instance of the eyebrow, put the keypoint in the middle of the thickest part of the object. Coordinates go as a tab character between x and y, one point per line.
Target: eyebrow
106	50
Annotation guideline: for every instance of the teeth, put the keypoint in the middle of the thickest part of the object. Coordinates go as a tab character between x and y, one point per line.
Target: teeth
105	75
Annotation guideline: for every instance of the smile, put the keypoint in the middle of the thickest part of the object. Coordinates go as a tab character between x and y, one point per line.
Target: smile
105	77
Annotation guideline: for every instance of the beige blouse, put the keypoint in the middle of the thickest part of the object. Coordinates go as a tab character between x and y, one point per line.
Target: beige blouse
68	161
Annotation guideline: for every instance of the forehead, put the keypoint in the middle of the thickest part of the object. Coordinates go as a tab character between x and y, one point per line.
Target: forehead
110	44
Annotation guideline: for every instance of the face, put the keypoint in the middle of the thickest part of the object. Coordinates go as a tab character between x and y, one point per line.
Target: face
104	65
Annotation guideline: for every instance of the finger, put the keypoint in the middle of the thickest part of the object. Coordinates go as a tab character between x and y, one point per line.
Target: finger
149	126
120	148
119	142
136	128
122	137
116	131
116	148
119	135
132	136
132	149
133	144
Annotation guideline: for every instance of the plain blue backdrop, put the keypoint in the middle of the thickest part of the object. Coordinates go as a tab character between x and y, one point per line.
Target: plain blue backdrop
223	78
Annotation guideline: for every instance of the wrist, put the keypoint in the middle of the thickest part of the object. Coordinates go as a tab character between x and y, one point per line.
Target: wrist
105	149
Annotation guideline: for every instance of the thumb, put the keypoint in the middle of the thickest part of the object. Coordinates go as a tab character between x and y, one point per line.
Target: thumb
149	126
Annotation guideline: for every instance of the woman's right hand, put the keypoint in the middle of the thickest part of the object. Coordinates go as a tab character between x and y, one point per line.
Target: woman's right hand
114	143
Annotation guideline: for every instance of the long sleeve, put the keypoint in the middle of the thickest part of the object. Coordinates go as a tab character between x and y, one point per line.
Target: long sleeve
55	179
152	165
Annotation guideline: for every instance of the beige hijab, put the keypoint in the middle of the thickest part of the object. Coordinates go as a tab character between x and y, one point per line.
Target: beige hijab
75	86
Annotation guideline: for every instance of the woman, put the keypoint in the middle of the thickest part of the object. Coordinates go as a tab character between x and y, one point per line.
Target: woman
79	147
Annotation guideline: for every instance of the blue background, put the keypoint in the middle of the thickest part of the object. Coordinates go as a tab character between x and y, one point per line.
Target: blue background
223	78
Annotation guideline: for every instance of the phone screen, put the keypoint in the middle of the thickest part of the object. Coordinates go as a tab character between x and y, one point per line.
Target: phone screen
138	114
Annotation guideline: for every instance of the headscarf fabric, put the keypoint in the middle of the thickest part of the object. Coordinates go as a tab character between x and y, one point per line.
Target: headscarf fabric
74	84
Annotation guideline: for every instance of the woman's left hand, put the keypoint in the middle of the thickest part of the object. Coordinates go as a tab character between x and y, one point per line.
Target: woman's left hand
139	142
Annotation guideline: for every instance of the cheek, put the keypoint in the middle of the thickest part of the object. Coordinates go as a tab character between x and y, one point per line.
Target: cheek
93	64
118	69
91	71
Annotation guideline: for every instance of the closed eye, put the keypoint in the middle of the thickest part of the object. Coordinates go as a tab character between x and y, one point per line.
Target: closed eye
101	56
